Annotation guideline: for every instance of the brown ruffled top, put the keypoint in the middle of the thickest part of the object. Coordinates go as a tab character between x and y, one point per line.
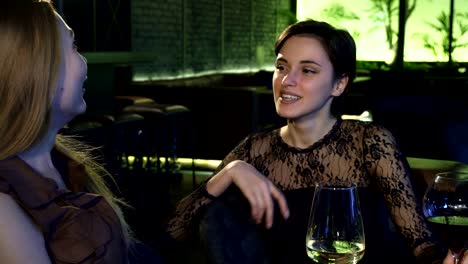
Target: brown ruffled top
78	227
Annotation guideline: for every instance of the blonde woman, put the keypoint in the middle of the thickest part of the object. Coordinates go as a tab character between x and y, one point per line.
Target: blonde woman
54	204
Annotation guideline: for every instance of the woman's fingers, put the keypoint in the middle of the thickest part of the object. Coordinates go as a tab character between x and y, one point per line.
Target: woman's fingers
259	191
449	258
262	199
255	198
281	200
258	207
269	206
261	203
464	257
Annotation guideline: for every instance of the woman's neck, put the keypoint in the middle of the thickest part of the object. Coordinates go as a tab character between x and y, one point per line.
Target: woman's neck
305	134
40	159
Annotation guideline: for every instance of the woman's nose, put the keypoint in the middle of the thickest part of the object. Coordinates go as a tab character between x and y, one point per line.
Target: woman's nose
83	58
290	78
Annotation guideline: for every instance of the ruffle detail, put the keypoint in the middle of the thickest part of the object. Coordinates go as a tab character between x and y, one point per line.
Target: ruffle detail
78	227
83	225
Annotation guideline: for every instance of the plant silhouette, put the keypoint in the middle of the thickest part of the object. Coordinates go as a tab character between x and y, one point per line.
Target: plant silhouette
384	13
442	27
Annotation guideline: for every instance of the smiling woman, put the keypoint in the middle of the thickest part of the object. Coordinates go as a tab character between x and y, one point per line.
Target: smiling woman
255	206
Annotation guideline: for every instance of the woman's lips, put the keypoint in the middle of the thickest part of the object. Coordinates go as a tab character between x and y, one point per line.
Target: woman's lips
288	98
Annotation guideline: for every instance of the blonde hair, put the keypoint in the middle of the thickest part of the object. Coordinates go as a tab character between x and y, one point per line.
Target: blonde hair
97	174
30	59
29	63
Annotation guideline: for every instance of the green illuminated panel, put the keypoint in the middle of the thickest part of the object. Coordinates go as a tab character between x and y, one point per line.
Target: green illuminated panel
363	20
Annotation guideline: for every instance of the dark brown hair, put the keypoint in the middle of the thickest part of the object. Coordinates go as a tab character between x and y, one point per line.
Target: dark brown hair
338	44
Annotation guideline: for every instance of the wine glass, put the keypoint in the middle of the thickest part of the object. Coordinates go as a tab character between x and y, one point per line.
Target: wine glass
445	205
335	233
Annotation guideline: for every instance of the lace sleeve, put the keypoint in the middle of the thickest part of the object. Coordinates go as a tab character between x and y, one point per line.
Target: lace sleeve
182	221
390	169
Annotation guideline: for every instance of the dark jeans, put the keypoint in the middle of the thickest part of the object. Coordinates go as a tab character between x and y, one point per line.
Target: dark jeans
229	236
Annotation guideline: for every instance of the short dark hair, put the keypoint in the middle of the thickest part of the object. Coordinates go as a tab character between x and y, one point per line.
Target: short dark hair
338	44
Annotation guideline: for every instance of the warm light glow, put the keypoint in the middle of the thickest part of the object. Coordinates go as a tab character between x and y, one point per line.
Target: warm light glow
184	162
366	116
210	164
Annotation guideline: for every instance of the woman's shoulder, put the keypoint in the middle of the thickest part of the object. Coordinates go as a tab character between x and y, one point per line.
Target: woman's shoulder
11	210
8	207
367	132
17	230
369	128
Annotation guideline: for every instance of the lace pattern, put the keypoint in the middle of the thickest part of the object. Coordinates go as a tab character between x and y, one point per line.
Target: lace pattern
352	152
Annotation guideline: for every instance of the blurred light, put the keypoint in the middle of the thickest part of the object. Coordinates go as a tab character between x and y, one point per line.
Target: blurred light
366	116
209	164
184	162
141	76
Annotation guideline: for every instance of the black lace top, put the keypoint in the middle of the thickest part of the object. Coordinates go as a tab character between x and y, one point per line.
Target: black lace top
353	152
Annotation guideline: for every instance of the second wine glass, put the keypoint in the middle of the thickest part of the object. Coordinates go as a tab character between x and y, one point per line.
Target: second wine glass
445	205
335	232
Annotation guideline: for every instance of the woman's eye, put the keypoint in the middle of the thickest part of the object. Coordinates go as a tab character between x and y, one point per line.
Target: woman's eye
309	71
75	44
279	67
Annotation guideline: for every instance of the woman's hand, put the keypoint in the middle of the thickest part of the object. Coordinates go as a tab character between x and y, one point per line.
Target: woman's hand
259	191
450	260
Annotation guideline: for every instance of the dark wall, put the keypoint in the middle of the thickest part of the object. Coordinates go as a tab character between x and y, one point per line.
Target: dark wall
189	36
193	37
428	114
186	38
98	25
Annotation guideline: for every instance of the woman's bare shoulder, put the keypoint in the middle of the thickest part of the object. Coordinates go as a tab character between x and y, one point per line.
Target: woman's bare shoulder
20	239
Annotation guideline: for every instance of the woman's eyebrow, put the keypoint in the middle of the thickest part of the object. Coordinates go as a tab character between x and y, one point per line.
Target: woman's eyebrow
282	60
301	62
310	62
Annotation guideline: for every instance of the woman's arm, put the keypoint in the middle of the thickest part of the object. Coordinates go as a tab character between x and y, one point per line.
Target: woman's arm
20	240
259	191
391	171
235	168
180	223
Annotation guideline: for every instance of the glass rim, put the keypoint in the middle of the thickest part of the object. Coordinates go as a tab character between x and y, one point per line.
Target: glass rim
452	175
336	187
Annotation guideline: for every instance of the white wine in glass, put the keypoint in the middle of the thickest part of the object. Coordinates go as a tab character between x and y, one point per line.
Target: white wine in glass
335	233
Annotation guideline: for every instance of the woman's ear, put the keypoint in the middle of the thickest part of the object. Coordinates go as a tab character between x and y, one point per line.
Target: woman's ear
339	85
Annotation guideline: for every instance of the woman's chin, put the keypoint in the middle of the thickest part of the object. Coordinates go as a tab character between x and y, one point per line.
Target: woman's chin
72	113
83	108
287	115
